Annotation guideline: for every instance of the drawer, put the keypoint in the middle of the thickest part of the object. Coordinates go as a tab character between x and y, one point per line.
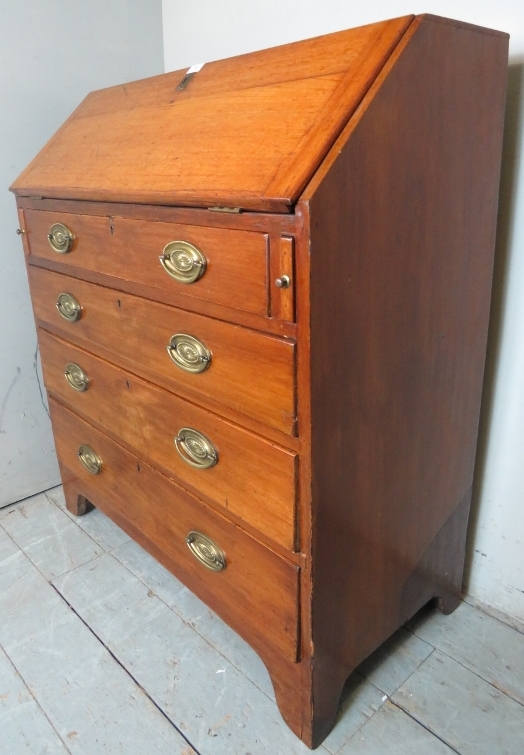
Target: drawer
250	372
257	592
250	477
233	273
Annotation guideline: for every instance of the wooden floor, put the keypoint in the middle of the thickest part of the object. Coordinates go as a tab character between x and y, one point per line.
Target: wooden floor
103	652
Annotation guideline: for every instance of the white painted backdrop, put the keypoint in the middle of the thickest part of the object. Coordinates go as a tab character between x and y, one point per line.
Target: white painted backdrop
207	30
52	54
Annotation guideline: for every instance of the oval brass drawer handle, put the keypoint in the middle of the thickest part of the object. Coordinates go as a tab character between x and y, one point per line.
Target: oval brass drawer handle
68	307
188	353
206	551
61	238
183	261
195	449
76	377
90	459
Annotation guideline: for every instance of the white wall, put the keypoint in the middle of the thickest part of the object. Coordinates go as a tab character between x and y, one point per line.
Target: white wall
205	30
52	54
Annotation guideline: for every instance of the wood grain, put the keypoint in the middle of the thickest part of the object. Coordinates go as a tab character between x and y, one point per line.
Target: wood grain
129	249
407	274
295	171
248	132
138	331
282	264
254	480
257	593
243	221
374	156
175	298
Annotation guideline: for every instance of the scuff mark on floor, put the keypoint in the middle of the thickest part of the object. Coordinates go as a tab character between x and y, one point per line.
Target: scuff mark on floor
6	397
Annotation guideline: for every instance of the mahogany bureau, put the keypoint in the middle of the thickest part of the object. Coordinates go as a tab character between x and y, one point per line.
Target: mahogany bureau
262	293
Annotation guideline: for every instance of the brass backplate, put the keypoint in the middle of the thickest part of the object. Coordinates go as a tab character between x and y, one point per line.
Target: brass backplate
206	551
89	459
183	261
196	449
76	377
60	238
68	307
189	353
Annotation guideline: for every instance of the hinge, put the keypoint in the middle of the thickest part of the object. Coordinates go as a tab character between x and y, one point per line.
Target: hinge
224	209
185	81
189	75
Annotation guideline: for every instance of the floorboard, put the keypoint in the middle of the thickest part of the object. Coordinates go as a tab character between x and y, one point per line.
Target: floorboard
23	725
395	660
91	702
463	710
392	732
102	530
195	613
485	645
216	706
106	653
49	538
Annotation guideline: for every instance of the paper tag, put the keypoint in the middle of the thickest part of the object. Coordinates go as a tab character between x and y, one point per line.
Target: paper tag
189	75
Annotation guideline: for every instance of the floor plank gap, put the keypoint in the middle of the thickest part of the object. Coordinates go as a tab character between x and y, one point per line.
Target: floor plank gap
116	659
427	728
119	637
30	692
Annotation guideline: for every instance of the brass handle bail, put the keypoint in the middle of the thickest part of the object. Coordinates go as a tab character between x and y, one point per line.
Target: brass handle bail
89	459
195	449
183	261
76	377
206	551
60	238
68	307
189	353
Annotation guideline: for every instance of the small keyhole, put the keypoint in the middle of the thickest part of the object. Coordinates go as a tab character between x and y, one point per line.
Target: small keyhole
127	383
138	467
118	300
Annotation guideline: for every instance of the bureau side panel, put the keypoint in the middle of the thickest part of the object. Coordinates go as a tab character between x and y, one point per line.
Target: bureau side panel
403	220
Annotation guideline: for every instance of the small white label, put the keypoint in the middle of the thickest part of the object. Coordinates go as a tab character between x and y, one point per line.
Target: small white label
195	69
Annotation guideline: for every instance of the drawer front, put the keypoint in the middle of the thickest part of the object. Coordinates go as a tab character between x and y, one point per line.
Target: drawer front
250	477
248	371
232	268
257	592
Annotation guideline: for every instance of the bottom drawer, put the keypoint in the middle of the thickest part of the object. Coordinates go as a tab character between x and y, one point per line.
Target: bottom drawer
257	590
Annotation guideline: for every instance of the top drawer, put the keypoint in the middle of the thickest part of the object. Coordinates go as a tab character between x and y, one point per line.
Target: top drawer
228	267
